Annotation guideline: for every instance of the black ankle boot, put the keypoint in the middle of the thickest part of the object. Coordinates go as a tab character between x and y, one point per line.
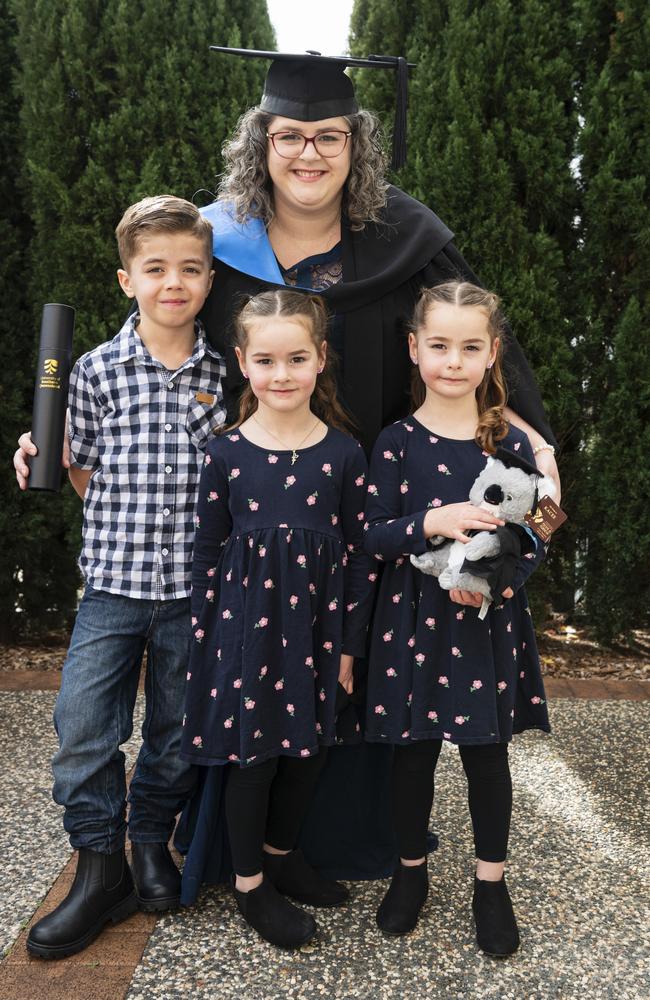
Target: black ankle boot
102	891
157	879
400	908
293	876
273	917
496	927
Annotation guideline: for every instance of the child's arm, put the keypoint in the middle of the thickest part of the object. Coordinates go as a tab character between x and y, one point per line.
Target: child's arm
360	571
82	428
213	526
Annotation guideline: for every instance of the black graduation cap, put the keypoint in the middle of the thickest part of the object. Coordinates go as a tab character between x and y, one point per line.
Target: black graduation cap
513	461
309	87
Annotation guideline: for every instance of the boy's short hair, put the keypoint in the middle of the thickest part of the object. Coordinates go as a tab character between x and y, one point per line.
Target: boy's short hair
163	213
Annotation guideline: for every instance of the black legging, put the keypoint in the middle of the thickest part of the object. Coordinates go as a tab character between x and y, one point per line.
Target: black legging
489	791
268	803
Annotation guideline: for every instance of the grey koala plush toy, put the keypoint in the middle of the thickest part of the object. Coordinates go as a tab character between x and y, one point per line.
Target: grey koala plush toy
508	487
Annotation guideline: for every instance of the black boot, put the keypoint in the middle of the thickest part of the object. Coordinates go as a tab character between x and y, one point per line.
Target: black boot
157	879
102	891
400	908
293	876
273	917
496	928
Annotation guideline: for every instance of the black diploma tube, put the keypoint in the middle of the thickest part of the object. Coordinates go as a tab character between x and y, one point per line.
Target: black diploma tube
51	396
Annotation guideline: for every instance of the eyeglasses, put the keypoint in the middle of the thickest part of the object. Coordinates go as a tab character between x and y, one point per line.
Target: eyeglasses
293	144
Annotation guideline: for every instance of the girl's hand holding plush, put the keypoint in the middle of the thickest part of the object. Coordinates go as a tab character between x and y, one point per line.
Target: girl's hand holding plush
454	519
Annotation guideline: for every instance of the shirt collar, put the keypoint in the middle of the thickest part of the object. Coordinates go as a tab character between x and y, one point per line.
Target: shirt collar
128	345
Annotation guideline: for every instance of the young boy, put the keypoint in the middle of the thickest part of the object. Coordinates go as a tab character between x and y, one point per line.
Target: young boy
142	408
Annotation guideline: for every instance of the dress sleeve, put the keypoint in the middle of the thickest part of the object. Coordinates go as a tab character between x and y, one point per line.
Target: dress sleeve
528	563
390	534
523	393
83	426
359	576
213	525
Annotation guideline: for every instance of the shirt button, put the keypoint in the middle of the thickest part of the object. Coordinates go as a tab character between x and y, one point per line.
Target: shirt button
165	552
168	468
170	385
168	427
166	511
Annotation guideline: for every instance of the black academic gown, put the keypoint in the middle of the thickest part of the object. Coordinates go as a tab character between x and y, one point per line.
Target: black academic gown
348	831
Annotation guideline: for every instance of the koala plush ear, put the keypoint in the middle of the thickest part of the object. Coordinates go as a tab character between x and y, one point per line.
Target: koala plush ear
546	487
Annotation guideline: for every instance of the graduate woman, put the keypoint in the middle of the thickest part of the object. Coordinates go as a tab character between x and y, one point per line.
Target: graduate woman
304	202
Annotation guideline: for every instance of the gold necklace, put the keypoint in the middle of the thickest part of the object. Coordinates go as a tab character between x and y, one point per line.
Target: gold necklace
294	451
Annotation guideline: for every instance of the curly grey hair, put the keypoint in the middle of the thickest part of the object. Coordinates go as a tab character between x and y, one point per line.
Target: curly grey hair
246	184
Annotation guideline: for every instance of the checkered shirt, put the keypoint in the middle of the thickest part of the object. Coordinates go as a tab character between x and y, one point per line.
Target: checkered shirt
143	430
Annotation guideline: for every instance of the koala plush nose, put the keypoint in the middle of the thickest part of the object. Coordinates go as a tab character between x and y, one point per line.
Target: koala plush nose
493	494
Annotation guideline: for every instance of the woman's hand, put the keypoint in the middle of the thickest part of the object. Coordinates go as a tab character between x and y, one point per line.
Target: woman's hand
27	449
545	462
345	672
454	519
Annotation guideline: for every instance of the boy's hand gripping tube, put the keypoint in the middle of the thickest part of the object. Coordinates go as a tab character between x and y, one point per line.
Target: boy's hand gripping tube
51	396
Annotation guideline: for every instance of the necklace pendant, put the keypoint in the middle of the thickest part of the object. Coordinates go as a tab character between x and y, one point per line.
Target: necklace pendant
294	456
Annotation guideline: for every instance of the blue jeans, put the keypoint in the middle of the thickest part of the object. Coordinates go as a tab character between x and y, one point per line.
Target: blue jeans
94	716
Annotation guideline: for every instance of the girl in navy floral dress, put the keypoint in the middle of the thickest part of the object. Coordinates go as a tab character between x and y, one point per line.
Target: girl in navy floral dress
281	598
438	672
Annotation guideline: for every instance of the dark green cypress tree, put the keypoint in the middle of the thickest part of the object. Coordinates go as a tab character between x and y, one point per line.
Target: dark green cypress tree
119	100
615	174
492	127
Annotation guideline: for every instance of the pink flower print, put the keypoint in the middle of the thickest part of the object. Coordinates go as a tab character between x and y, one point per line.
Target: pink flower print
445	471
272	459
311	499
509	627
433	716
212	571
327	469
250	543
444	681
312	588
388	455
388	636
233	474
408	427
361	516
460	720
233	757
261	551
293	601
207	460
372	490
327	646
517	446
460	615
309	662
302	560
284	642
352	606
249	704
514	653
244	582
332	606
447	736
512	713
226	614
536	700
305	753
194	621
321	694
188	676
380	710
279	684
262	623
404	486
268	584
334	519
391	672
420	658
409	527
398	562
522	674
233	437
198	635
436	502
253	504
209	595
455	651
360	480
218	654
197	741
501	686
212	495
432	439
290	709
430	623
319	728
372	577
227	723
257	734
523	646
286	744
406	734
213	693
289	481
411	642
237	682
476	685
263	672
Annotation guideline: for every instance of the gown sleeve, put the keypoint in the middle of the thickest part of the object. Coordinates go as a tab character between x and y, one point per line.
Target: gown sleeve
213	526
523	393
390	534
359	569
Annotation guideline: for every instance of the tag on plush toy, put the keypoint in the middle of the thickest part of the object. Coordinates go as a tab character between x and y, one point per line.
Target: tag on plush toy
546	519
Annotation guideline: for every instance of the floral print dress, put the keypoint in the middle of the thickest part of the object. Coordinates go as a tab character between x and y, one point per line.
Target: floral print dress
281	588
436	670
